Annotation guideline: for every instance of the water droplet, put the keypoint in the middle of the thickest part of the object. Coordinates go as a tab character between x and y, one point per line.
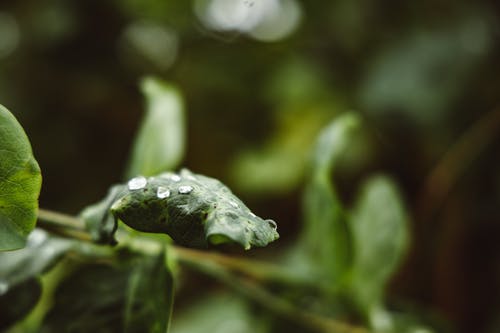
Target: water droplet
162	192
175	178
252	214
234	204
272	224
4	287
36	237
137	183
186	189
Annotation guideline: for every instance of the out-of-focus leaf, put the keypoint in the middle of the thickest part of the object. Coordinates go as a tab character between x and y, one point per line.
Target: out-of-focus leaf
19	272
134	295
20	182
303	101
221	313
280	164
192	209
159	145
99	220
326	233
18	302
379	225
431	81
150	297
40	253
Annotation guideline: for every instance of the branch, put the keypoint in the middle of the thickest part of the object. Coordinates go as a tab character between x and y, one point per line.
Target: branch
455	161
221	267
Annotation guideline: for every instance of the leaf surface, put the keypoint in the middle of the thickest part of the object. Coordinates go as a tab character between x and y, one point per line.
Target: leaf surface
379	227
159	144
327	236
132	295
20	182
193	209
20	270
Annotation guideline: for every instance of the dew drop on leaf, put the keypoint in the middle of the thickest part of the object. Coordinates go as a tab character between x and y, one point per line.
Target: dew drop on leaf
137	183
162	192
272	224
186	189
175	178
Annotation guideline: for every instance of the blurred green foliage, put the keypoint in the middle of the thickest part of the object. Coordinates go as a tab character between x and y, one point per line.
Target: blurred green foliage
419	73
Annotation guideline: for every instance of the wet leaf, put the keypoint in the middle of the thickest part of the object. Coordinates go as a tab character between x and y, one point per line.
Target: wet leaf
159	145
326	232
132	295
20	182
379	227
192	209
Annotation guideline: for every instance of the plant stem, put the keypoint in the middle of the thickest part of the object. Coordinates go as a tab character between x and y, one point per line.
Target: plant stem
266	299
73	227
222	268
455	161
63	224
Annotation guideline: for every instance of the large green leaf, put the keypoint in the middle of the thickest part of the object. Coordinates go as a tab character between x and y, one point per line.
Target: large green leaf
20	182
132	295
326	232
379	225
159	145
192	209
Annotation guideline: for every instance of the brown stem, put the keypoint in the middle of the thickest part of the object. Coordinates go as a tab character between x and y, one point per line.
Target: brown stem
455	161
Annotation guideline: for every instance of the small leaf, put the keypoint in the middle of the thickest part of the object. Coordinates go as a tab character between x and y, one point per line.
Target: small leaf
159	145
379	226
326	231
98	219
192	209
221	313
132	295
20	182
150	297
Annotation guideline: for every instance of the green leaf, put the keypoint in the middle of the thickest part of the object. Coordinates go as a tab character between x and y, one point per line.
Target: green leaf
17	302
150	297
132	295
192	209
40	253
20	270
159	145
326	232
20	182
379	226
221	313
98	219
